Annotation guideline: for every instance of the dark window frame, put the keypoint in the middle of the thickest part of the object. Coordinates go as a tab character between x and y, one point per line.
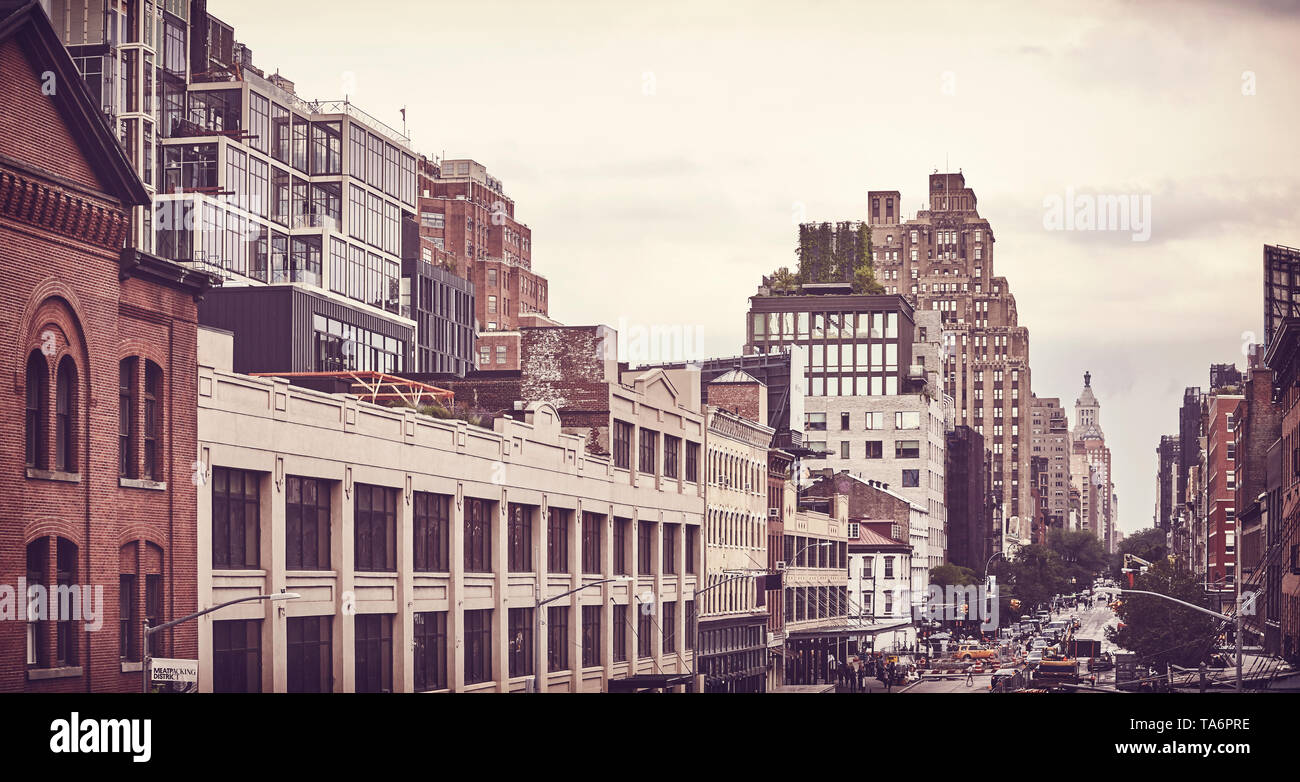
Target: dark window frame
307	523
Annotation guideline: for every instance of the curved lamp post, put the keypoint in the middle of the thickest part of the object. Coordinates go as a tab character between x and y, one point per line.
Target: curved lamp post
537	623
149	631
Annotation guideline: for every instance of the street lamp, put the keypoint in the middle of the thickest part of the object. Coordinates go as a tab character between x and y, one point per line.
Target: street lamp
537	622
149	631
1214	614
695	614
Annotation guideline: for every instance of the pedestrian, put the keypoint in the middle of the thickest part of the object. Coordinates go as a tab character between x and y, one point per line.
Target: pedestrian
970	675
862	677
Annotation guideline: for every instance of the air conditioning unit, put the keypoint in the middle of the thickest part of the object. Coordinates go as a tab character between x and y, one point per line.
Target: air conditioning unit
780	565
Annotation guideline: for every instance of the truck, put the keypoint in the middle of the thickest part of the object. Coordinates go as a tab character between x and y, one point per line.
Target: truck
1084	647
1057	670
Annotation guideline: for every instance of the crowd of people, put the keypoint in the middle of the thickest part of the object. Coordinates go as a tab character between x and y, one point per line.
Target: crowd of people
855	673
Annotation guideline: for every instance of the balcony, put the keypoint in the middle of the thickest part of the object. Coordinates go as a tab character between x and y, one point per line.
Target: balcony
328	222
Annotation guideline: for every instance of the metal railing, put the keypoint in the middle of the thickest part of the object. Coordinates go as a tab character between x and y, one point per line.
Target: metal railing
346	107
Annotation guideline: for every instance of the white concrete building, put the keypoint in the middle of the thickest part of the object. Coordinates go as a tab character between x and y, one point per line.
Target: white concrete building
421	547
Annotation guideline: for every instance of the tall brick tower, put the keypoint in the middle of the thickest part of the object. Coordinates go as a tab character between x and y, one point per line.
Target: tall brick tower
943	260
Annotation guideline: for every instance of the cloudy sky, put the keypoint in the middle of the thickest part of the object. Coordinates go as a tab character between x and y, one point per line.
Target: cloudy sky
662	154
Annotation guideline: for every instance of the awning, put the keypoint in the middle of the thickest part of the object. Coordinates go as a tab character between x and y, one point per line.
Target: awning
649	681
849	629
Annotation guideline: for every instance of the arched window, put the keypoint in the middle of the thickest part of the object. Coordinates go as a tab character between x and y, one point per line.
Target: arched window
126	417
153	394
65	421
52	638
37	404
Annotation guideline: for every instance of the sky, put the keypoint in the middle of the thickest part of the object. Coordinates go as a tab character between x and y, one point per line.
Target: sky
663	153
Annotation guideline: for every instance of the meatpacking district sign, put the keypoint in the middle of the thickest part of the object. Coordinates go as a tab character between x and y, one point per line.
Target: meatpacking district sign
165	670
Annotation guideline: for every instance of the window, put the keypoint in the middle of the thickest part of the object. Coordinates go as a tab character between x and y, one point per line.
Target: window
591	525
844	449
619	549
889	567
432	526
645	549
672	447
310	664
236	532
520	538
557	638
591	636
307	525
520	651
65	419
237	656
693	462
39	628
815	422
910	420
125	416
374	648
875	449
644	632
911	478
907	449
670	549
691	534
647	452
670	628
478	535
875	421
622	445
375	527
129	623
37	408
430	651
478	646
557	540
619	633
152	424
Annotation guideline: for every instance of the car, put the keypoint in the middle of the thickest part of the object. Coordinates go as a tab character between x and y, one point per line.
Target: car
1006	680
1038	643
1102	662
1035	657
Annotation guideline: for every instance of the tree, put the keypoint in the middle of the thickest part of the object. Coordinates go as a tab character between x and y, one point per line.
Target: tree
952	575
1160	631
1037	574
783	281
1081	554
1148	544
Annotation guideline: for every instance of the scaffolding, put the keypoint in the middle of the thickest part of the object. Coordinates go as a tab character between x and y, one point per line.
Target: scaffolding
378	387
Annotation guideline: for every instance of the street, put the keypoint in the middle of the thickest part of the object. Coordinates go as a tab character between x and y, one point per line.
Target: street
1093	622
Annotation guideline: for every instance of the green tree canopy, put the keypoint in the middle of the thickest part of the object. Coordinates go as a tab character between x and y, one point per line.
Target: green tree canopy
1081	555
1037	574
1148	544
952	575
1159	631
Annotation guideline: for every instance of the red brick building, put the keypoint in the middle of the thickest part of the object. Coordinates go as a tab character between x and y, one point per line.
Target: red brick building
1221	495
1284	601
100	347
466	214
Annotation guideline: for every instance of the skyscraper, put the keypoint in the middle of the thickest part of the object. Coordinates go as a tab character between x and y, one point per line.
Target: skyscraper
1089	441
942	260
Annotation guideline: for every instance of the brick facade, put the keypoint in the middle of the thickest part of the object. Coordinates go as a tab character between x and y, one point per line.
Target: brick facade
76	303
